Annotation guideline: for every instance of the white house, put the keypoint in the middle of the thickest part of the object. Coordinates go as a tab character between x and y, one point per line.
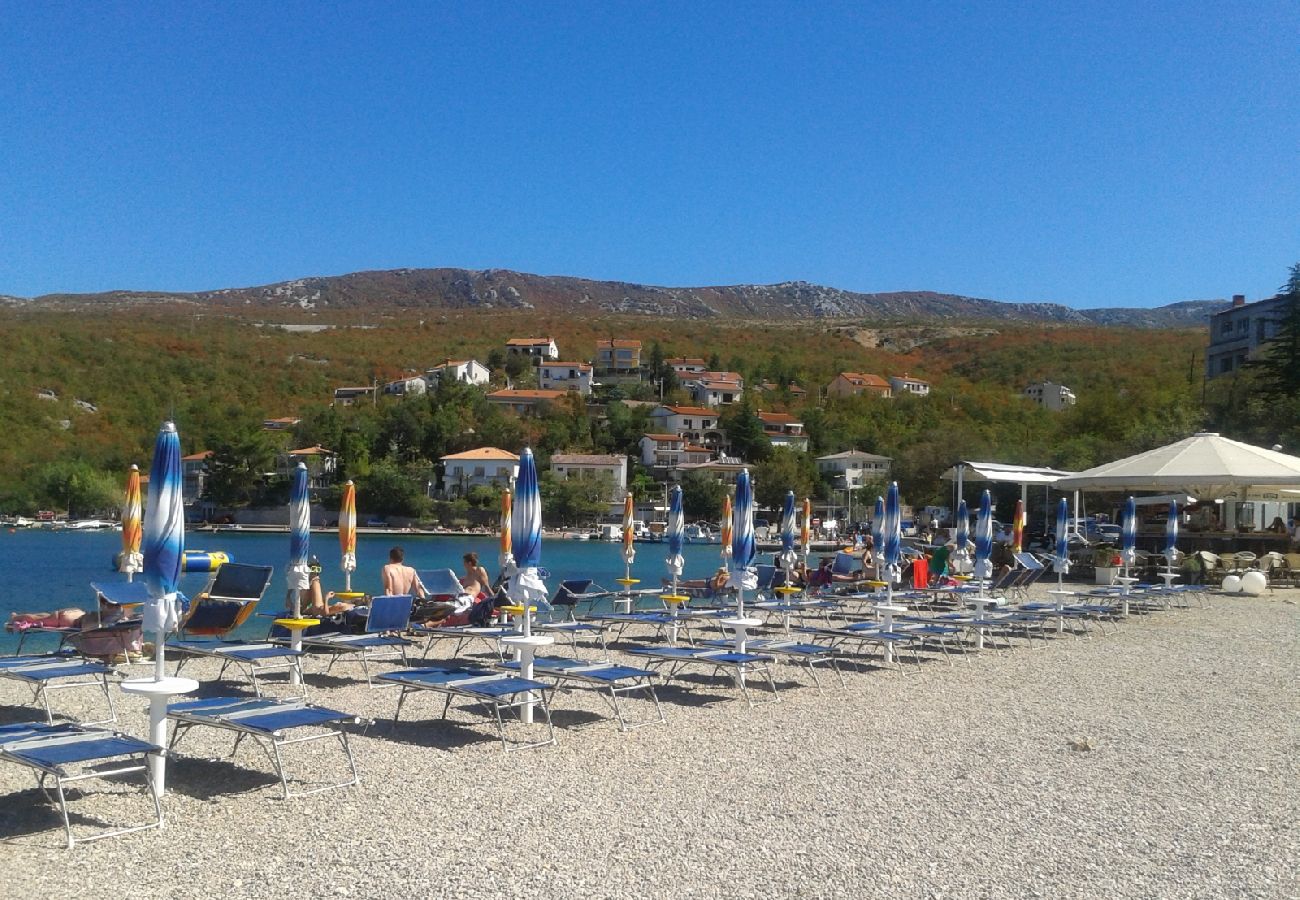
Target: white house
662	453
783	430
538	348
696	424
687	365
483	467
321	464
347	396
523	401
906	384
724	470
853	468
715	388
469	371
851	384
593	465
406	386
565	376
1051	395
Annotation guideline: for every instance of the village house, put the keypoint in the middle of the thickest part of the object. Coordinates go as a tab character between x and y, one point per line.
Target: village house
468	371
715	389
906	384
853	468
724	470
565	376
686	365
593	465
662	453
482	467
783	430
618	360
284	423
321	465
523	401
194	473
403	387
538	348
851	384
1238	332
797	393
1050	395
348	396
697	424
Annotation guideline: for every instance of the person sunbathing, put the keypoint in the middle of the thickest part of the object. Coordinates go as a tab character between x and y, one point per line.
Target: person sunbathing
62	618
318	603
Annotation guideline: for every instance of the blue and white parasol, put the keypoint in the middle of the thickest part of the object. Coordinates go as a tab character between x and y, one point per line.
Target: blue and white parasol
676	534
526	586
740	564
1171	534
1061	556
892	533
984	538
961	536
298	574
164	540
1128	534
878	528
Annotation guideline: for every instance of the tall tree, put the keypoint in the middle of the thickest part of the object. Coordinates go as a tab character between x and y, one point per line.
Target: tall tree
1278	367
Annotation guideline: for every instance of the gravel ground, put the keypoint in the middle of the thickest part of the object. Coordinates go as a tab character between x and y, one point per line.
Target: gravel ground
960	781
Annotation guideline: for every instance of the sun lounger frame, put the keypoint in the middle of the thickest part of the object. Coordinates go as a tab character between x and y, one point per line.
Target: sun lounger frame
241	715
40	672
479	687
22	744
572	674
734	665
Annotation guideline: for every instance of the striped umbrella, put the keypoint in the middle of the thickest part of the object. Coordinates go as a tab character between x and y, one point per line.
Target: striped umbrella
1128	533
506	558
629	533
984	538
743	546
892	533
164	541
348	533
1018	528
676	534
1171	533
805	530
962	535
878	528
726	529
298	574
132	560
789	533
526	586
1061	558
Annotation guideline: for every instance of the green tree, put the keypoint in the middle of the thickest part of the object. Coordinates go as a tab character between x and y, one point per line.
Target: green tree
744	431
393	490
784	470
574	501
77	487
702	496
237	467
1278	368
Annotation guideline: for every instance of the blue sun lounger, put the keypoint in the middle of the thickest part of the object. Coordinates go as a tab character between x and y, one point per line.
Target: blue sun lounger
490	635
228	602
44	674
795	652
69	754
268	722
735	665
607	679
387	618
872	634
491	690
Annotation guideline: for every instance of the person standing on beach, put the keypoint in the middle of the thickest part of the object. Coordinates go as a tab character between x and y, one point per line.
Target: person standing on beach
400	578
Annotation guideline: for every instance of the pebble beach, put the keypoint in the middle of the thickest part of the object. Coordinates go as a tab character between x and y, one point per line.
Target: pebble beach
1157	760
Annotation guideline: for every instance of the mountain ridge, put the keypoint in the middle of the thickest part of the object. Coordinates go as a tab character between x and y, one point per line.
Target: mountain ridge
504	289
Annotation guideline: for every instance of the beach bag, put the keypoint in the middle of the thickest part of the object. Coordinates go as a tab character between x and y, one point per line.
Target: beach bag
482	611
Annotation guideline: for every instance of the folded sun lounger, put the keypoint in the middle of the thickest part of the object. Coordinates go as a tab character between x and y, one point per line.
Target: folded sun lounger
388	617
268	722
495	691
70	754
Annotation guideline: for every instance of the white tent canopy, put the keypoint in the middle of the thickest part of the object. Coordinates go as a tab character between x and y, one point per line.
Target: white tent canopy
1002	472
1205	465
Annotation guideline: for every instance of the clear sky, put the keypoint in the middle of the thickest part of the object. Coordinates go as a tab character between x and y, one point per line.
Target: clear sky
1089	154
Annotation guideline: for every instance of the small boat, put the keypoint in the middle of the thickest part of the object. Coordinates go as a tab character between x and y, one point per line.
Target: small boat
700	533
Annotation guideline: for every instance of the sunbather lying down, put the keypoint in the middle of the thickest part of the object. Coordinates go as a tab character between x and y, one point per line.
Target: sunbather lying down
61	618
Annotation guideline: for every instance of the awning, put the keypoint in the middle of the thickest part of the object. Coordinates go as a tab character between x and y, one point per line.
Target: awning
1003	472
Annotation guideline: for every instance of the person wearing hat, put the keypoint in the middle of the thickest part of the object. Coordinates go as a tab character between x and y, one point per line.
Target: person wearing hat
318	603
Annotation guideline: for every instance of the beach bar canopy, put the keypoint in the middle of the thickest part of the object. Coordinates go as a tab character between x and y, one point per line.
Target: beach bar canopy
1206	466
1003	472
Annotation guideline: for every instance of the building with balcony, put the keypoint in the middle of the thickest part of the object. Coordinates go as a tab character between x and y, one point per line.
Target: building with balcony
906	384
852	384
321	465
538	348
783	430
468	371
593	465
194	474
618	360
1238	332
715	389
686	365
404	387
565	376
482	467
1050	395
525	402
349	396
696	424
853	468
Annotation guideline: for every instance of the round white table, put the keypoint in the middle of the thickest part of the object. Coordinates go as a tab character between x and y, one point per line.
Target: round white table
525	647
159	693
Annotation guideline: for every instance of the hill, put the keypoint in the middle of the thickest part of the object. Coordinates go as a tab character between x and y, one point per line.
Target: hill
504	290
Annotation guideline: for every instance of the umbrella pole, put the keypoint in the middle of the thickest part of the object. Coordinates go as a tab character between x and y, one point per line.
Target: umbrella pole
347	581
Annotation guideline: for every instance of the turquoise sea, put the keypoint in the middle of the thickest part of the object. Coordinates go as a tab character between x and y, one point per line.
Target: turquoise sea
44	570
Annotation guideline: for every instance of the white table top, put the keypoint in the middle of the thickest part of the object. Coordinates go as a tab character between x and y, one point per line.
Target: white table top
531	640
742	623
166	686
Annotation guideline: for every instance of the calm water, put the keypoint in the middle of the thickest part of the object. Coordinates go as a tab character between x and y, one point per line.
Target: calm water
45	570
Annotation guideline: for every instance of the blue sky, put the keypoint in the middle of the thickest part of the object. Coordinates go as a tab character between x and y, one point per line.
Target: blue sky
1089	154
